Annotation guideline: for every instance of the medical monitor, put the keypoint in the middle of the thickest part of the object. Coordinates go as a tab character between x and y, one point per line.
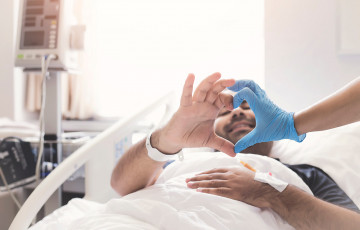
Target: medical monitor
44	27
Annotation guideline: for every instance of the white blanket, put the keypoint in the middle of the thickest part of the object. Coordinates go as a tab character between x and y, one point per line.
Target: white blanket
335	151
169	204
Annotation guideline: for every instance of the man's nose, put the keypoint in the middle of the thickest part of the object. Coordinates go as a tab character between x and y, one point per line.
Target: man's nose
238	113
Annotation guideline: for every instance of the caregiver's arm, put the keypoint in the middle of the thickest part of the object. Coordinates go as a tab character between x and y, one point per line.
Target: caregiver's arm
191	126
273	123
304	211
340	108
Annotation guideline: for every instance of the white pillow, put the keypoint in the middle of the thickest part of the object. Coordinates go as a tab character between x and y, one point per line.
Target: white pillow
17	128
335	151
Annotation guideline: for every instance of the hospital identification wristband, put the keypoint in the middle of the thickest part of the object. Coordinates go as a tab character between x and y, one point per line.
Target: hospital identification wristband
156	155
270	180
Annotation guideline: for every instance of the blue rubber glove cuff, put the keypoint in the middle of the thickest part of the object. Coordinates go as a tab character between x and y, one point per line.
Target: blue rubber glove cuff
293	133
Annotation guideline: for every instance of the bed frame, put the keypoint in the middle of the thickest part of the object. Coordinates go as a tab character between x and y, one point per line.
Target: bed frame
98	155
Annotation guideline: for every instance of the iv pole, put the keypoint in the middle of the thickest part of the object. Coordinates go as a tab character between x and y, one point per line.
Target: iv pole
53	115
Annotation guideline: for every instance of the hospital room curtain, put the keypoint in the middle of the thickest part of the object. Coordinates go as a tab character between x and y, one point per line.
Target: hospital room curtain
77	89
75	95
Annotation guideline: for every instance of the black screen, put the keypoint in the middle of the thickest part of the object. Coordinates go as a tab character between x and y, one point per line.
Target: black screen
34	38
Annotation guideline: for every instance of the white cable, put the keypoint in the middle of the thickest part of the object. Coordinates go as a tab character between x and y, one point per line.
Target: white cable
9	189
41	137
45	62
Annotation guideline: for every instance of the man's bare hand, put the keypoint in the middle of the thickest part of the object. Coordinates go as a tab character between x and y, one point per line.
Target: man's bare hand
193	123
235	183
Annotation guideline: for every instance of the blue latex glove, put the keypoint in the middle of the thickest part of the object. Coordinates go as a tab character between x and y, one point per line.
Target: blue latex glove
272	123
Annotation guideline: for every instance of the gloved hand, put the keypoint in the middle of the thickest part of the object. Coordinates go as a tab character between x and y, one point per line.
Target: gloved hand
272	123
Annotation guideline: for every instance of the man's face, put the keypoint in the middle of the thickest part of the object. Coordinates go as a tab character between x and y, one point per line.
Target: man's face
233	125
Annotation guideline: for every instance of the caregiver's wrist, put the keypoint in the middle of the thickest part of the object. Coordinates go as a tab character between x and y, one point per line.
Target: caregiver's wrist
299	122
161	142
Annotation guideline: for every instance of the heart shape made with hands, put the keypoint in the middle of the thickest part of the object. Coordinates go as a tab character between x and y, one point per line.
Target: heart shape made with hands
272	122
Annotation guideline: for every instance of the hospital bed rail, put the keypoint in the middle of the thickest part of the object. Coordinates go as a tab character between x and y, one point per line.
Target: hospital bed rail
98	155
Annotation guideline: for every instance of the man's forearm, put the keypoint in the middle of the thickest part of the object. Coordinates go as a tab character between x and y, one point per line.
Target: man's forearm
135	170
304	211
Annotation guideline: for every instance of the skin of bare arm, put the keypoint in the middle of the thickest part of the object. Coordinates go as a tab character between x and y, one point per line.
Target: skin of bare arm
340	108
298	208
191	126
135	170
306	212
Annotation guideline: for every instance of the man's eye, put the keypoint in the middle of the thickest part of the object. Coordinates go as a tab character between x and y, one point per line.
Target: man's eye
224	113
246	107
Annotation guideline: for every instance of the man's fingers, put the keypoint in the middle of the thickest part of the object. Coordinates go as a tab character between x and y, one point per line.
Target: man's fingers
204	86
224	100
245	142
207	184
218	87
222	145
186	97
208	176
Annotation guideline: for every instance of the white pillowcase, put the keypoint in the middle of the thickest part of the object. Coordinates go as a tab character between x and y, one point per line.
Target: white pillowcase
335	151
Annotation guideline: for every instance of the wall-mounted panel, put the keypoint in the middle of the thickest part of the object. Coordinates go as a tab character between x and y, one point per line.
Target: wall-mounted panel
349	27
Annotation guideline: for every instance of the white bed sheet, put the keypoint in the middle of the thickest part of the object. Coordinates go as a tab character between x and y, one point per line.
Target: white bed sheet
336	151
169	204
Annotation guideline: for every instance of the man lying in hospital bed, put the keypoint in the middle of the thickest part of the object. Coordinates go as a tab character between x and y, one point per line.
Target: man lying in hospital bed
194	193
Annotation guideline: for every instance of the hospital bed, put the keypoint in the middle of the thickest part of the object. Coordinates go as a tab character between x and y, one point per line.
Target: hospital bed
99	158
335	151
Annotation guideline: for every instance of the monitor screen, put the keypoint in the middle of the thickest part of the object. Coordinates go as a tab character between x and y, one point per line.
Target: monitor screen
34	38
